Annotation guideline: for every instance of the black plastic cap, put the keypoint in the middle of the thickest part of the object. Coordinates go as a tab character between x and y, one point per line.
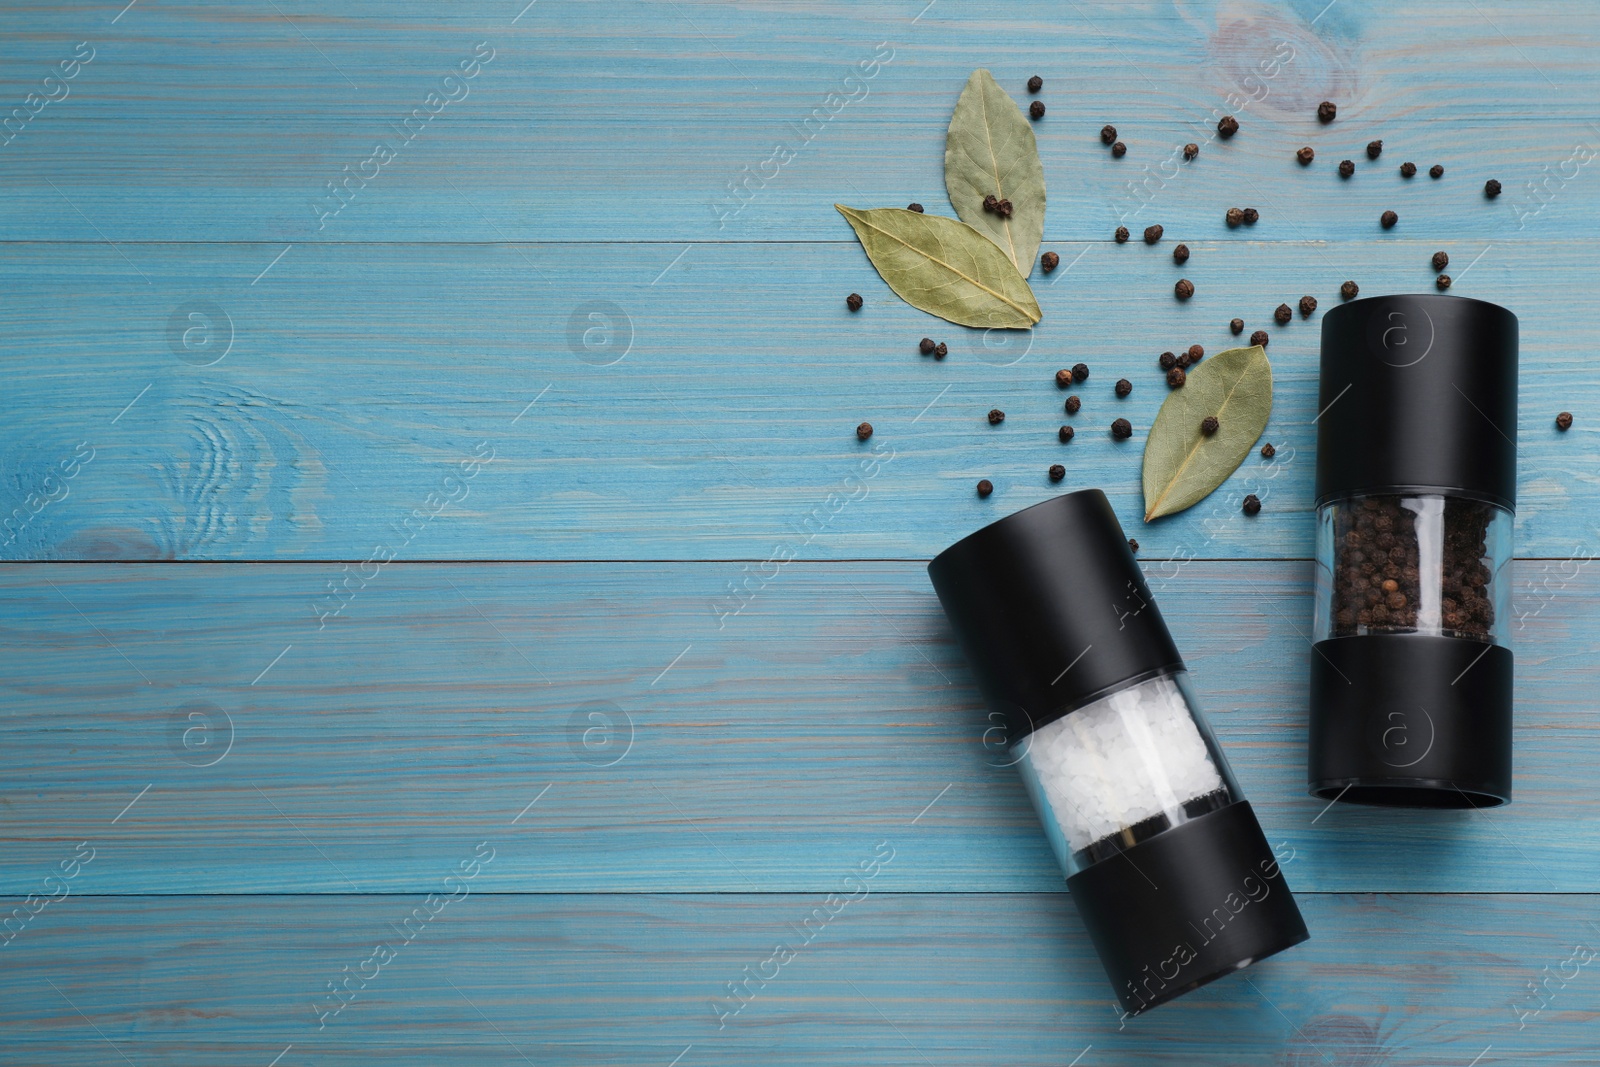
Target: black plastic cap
1052	610
1410	720
1186	907
1419	393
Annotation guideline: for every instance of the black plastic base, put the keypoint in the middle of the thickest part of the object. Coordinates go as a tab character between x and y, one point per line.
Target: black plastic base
1187	907
1409	720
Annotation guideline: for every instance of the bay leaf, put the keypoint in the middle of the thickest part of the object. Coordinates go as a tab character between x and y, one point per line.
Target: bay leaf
990	151
944	267
1181	464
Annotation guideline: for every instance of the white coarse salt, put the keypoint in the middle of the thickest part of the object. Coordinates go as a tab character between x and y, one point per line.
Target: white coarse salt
1123	759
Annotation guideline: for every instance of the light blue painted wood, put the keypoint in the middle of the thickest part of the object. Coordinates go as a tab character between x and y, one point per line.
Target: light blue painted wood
446	699
360	377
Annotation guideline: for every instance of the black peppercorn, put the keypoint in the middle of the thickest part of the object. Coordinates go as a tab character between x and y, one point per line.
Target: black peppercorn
996	416
1308	305
863	431
1184	289
914	207
1180	254
1133	546
1036	109
1282	314
1236	326
1065	434
1167	361
1326	111
1442	282
1123	387
1176	377
1251	216
1191	150
1227	126
1073	404
1347	167
1441	260
1122	429
1408	170
1080	372
985	487
1049	262
1196	353
1260	338
1122	235
1267	451
1119	150
1035	83
1252	504
1152	234
1108	133
1057	472
991	203
1564	421
1233	216
1491	188
1184	359
853	301
1349	290
1305	155
1374	149
1388	219
1003	209
1209	425
941	350
1436	171
925	346
1063	379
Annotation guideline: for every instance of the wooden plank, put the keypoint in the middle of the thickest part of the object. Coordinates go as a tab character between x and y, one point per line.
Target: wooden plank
636	121
361	378
637	735
890	979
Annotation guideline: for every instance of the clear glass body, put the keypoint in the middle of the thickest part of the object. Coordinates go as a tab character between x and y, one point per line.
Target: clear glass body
1407	564
1122	769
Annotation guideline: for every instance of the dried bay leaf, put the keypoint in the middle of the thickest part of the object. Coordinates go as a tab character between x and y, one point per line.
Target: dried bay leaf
1182	465
990	151
944	267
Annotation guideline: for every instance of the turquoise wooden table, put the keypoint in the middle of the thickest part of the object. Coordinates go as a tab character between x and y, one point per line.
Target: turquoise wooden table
448	618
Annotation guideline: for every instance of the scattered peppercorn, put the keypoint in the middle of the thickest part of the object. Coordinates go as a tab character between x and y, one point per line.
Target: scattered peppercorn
925	346
1036	109
863	431
985	487
1133	546
1049	262
1282	314
1349	290
1035	83
1442	281
1167	361
1441	260
1227	126
1252	504
1234	216
1308	305
853	301
1065	434
1347	167
914	207
1184	359
1408	170
941	350
1374	149
1108	133
1123	387
1260	338
1251	216
1267	451
1180	254
1388	219
1080	372
1122	235
1436	171
1057	472
1491	188
996	416
1326	111
1003	209
1176	377
1119	150
1184	289
1196	353
1191	150
1073	404
1209	425
1236	326
1305	155
991	203
1122	429
1564	421
1063	379
1152	234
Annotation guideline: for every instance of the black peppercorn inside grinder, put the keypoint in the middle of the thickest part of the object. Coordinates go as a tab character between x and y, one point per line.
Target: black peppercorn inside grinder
1415	491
